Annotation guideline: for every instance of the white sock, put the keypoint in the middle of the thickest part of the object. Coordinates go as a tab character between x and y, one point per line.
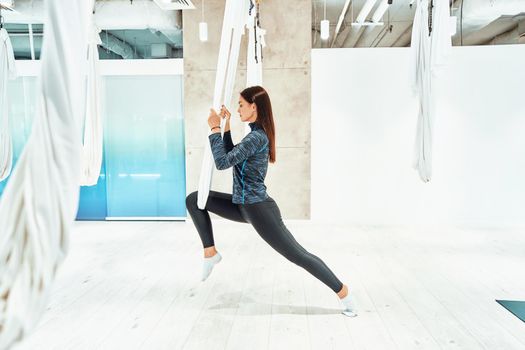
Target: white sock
349	308
208	265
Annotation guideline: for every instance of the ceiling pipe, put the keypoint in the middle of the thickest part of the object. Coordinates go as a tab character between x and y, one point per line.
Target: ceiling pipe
6	5
121	48
473	15
479	13
512	36
25	12
139	15
109	14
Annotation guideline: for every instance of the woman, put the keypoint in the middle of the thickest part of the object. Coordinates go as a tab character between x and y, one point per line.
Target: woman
249	202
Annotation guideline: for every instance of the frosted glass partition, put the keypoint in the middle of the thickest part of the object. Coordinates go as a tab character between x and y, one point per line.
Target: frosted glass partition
144	146
143	169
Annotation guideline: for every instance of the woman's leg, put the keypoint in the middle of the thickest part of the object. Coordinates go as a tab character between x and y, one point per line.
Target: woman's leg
218	203
266	219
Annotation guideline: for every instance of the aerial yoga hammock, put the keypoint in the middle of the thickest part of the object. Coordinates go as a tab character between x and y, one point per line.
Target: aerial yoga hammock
237	15
93	129
431	44
7	72
40	201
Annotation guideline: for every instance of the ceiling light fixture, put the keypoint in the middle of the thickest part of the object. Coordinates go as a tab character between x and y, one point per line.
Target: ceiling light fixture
203	26
325	26
453	25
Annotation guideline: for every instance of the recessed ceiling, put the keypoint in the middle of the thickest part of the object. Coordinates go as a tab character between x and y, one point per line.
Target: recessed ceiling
492	25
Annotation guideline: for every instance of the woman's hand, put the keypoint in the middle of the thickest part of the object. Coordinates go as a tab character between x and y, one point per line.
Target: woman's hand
225	113
214	119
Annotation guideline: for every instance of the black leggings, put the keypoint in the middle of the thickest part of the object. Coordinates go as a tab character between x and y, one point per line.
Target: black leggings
266	218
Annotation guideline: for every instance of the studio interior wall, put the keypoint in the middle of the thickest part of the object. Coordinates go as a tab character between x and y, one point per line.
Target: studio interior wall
363	129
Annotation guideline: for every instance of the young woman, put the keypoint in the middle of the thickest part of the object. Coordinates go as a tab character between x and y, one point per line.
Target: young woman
250	203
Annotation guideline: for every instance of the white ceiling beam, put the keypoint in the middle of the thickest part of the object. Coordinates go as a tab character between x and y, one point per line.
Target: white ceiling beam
380	11
365	10
340	21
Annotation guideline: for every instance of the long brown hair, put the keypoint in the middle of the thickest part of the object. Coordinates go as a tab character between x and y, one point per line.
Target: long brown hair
259	96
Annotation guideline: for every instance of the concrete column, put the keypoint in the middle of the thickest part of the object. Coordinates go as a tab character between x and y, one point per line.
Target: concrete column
287	79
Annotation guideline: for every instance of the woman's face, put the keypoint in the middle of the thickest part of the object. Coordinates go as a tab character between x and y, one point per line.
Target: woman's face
247	111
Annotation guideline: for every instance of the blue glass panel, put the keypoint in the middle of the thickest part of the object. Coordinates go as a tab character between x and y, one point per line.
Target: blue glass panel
92	203
143	171
144	146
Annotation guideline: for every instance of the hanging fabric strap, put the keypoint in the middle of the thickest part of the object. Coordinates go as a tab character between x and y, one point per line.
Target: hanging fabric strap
232	29
40	201
237	16
431	45
93	128
256	38
7	72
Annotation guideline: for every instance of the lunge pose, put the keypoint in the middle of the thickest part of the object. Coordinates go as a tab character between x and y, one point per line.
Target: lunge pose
249	202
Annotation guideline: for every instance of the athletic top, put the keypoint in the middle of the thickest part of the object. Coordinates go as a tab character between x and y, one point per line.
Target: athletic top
249	159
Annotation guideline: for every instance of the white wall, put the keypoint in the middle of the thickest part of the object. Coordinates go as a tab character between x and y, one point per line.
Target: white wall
363	129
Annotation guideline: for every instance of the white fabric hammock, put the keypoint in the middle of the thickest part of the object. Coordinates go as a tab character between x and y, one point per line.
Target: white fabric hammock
232	27
254	67
236	17
429	51
93	129
7	71
40	201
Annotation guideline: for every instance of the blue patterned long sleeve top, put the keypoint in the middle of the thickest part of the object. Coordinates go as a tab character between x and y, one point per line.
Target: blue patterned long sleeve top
249	160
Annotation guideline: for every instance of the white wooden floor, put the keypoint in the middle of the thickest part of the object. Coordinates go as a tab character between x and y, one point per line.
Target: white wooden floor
135	285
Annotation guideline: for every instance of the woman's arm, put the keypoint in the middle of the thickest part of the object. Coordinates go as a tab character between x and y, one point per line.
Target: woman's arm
227	138
228	143
250	144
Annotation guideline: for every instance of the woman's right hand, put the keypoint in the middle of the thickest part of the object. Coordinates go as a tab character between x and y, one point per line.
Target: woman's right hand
225	113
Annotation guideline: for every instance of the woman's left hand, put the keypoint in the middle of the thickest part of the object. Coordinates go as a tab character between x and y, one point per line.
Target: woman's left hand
214	119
